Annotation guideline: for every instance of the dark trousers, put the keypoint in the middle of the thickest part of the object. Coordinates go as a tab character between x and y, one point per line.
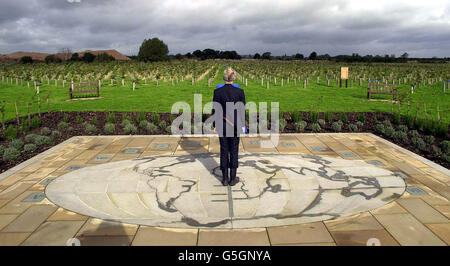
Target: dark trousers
229	148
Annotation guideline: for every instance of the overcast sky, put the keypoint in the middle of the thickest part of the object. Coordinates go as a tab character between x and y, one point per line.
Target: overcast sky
421	28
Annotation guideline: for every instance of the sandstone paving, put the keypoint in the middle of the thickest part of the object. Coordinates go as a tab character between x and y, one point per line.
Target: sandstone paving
299	189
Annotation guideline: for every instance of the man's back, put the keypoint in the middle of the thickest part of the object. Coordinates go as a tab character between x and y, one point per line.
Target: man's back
230	100
231	94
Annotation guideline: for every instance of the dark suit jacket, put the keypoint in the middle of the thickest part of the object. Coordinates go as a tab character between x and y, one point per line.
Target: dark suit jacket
235	116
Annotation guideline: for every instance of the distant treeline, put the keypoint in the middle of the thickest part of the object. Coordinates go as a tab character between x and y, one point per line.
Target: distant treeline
349	58
86	57
215	54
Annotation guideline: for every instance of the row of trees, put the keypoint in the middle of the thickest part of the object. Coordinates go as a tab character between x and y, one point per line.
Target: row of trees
156	50
340	58
87	57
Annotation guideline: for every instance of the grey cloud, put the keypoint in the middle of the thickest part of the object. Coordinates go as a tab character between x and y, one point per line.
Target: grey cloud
334	27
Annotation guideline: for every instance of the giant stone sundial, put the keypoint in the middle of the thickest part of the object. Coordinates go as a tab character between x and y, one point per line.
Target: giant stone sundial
185	190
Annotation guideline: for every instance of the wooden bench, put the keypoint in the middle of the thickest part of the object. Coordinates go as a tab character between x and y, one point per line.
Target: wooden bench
382	88
87	89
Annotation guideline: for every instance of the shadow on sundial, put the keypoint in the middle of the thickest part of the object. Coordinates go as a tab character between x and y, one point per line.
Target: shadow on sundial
194	148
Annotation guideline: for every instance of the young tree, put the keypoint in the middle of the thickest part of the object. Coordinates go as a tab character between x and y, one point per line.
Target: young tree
267	55
197	53
153	50
75	57
26	60
52	59
104	57
313	56
299	56
65	53
88	57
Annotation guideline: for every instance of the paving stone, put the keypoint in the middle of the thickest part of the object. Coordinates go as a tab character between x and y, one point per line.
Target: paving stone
156	236
116	146
319	148
103	241
401	174
140	142
98	227
192	146
87	155
286	144
131	151
122	156
162	146
415	190
47	181
422	211
442	230
308	244
53	233
446	194
361	237
12	239
431	182
444	209
74	167
10	180
5	219
65	215
427	195
30	219
390	208
436	175
17	206
40	174
303	233
15	190
254	145
35	197
434	199
364	221
408	231
236	237
348	154
33	167
102	158
407	168
375	162
290	144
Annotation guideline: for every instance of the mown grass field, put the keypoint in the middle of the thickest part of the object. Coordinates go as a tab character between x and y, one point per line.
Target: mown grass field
152	98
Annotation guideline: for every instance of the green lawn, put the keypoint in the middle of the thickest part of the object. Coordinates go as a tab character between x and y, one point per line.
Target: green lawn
152	98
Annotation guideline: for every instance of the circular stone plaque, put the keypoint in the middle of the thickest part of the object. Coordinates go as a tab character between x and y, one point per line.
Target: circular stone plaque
185	191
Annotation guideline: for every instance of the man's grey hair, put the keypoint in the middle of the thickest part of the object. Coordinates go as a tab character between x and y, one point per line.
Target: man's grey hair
229	75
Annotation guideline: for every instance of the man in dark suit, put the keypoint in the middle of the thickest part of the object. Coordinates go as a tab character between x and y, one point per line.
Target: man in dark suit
231	100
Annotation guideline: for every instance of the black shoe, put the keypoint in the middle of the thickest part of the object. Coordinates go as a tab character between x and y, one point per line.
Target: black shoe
233	178
225	177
